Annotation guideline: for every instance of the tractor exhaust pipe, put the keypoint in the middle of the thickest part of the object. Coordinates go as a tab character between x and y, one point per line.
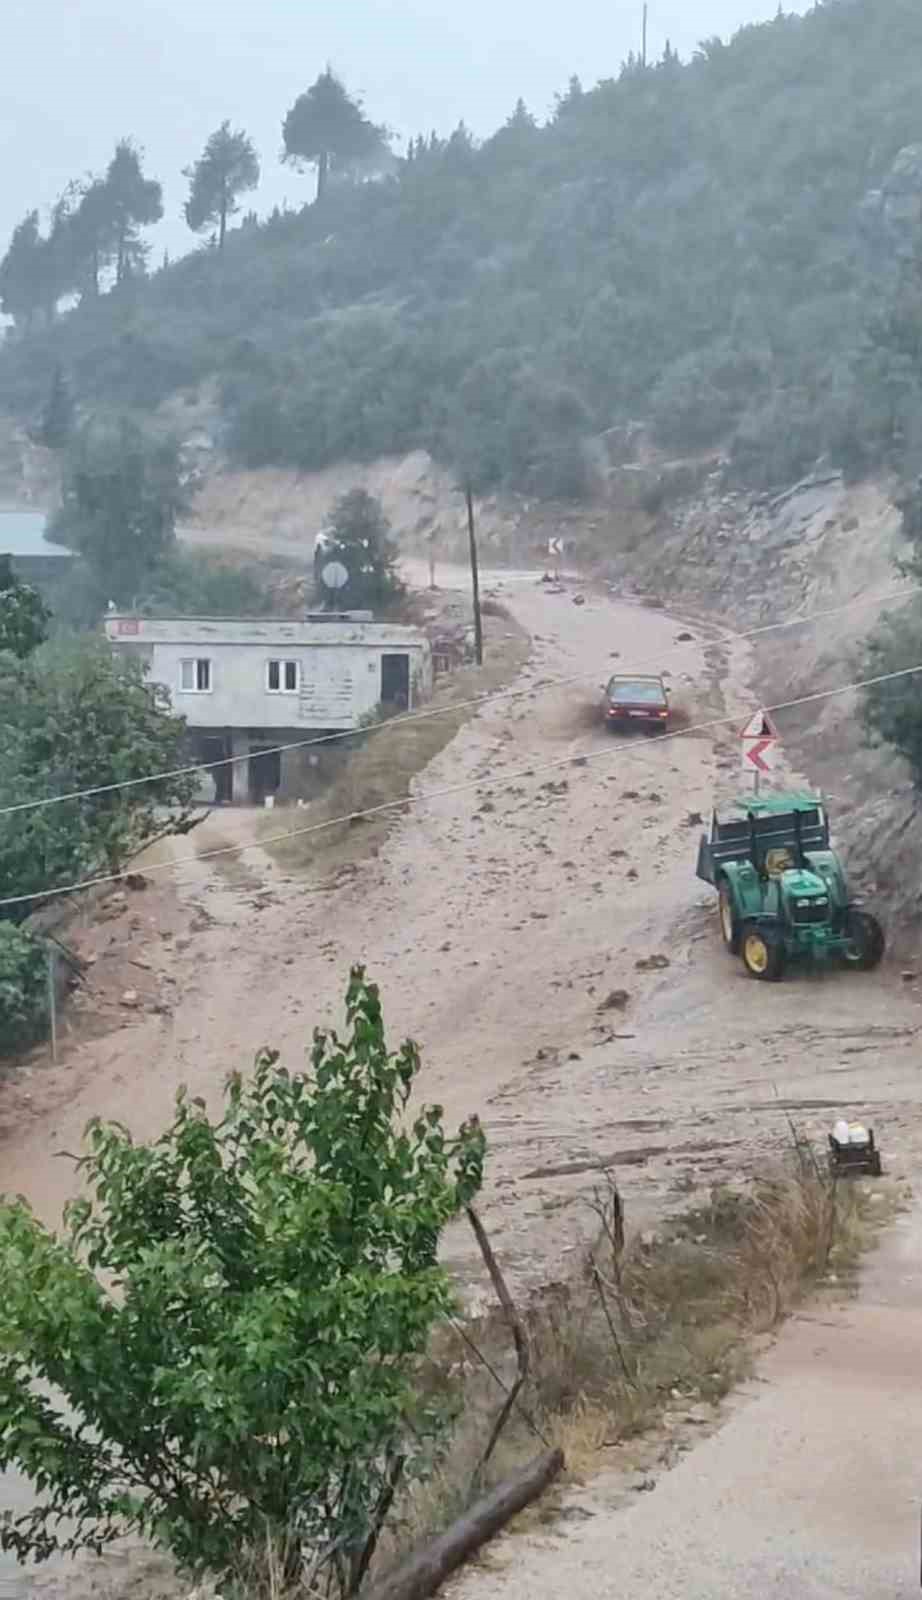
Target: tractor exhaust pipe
798	839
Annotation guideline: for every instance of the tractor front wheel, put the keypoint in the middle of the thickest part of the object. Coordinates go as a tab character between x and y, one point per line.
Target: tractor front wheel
763	954
865	950
729	922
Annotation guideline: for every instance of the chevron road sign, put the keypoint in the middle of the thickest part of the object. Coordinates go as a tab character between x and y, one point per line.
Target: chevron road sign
759	747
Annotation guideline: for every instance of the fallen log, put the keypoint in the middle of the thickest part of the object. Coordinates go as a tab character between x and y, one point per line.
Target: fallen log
423	1573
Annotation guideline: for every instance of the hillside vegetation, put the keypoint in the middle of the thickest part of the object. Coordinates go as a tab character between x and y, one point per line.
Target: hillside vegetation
724	248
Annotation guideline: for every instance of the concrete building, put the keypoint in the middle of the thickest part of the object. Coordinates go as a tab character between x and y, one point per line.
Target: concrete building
247	686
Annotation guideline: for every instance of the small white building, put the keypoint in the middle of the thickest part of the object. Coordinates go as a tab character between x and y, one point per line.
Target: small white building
247	686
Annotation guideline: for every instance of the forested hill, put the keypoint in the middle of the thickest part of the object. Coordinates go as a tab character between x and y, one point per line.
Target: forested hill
725	248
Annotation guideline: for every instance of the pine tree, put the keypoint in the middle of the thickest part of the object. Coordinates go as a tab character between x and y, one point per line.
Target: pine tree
326	128
227	167
58	416
134	202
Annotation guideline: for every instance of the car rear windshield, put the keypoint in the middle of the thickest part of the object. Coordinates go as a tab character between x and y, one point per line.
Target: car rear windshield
645	693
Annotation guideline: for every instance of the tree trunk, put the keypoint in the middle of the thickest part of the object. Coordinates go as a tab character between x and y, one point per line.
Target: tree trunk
222	223
323	167
424	1572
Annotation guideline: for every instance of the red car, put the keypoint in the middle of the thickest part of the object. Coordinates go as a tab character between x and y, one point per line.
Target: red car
636	700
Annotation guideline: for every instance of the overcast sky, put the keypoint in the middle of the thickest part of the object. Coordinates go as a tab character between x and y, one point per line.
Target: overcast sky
75	75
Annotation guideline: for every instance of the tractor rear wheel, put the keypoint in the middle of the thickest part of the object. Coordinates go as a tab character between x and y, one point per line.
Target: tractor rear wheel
729	922
762	950
867	943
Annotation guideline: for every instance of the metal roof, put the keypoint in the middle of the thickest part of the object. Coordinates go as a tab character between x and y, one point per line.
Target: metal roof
22	533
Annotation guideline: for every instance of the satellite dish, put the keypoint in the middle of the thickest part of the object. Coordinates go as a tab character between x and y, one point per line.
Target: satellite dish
334	575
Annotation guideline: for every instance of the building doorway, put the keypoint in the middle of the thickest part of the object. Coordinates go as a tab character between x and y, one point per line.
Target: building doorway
265	771
216	748
395	681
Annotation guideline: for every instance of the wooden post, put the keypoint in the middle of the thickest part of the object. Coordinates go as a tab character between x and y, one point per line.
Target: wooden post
422	1574
52	1001
475	578
520	1339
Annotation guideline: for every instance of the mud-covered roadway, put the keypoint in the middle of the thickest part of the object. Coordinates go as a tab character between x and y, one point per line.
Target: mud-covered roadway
506	923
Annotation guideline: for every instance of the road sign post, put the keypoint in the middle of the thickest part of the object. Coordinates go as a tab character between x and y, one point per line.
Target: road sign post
759	748
555	552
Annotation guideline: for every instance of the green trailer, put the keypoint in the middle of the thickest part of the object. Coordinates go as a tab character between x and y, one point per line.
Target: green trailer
782	890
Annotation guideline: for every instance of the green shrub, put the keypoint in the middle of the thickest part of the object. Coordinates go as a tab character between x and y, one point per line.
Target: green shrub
251	1377
23	989
892	712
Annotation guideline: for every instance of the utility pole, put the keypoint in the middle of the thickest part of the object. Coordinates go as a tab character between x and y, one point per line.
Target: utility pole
643	53
431	543
475	578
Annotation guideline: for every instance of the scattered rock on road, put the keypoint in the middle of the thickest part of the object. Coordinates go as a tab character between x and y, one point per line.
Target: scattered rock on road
616	1000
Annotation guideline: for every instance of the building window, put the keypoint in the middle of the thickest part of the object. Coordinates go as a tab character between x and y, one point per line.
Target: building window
282	677
195	676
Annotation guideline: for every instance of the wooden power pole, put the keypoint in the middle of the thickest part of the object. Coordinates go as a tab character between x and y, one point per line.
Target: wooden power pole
475	578
643	53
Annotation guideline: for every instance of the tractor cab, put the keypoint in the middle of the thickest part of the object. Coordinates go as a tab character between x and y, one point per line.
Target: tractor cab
782	889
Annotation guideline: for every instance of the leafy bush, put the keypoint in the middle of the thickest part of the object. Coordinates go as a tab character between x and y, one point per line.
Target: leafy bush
251	1385
24	617
23	989
892	712
76	718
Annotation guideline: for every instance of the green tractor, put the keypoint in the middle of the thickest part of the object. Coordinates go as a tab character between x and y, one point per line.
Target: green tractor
782	890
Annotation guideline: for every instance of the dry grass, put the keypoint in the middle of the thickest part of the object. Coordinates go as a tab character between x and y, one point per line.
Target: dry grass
381	769
646	1330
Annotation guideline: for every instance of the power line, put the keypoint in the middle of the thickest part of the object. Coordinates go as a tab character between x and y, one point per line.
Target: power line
488	698
580	759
